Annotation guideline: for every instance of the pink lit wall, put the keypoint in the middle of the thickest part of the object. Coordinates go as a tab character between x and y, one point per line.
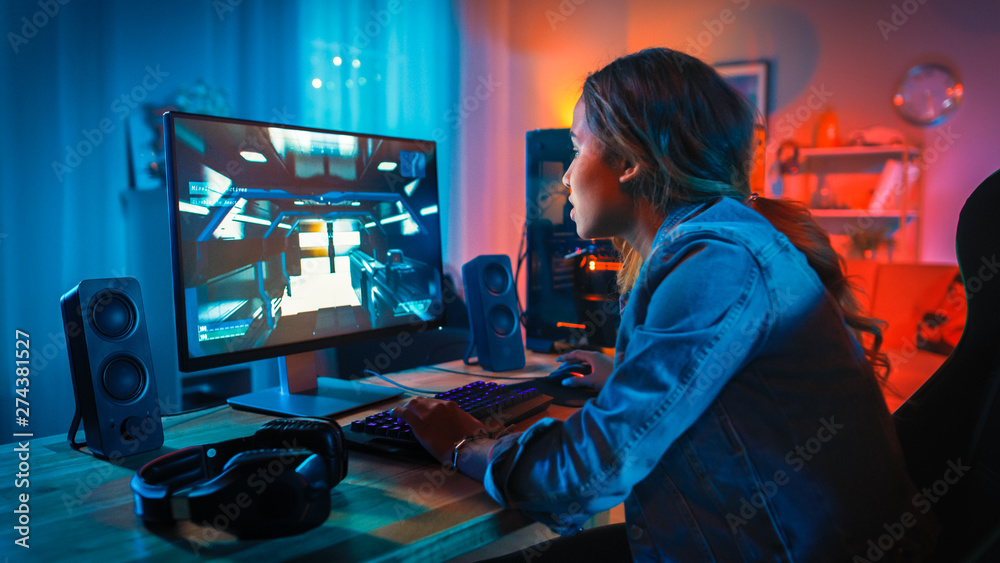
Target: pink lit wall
851	54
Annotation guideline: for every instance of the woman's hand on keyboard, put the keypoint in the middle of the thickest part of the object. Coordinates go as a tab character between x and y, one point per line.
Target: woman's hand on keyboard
438	424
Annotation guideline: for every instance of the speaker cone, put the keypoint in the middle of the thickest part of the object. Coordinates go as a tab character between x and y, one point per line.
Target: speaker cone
502	320
495	279
124	378
113	314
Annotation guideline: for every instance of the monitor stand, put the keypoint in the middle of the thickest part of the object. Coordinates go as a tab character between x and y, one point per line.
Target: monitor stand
303	394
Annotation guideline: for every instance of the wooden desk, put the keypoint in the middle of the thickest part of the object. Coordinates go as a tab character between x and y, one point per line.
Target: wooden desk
81	508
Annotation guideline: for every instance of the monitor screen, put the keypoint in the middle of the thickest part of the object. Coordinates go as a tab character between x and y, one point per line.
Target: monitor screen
290	239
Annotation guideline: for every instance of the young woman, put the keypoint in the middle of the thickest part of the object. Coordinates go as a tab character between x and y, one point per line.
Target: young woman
740	418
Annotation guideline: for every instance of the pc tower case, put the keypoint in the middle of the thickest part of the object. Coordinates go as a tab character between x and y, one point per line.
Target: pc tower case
572	299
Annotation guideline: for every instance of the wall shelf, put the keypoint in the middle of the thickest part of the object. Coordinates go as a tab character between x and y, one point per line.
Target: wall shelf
837	221
840	184
869	150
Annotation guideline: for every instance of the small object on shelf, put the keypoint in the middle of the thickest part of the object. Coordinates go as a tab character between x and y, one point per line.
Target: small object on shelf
824	198
828	130
865	242
876	136
794	183
890	184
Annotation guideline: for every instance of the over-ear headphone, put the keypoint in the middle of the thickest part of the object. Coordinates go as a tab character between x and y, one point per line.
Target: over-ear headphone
274	483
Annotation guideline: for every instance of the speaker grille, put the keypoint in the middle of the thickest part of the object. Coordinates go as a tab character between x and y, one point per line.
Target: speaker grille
495	279
124	378
113	314
502	320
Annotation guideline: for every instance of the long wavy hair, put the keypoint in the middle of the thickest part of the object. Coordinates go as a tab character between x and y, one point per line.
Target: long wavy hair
689	131
692	136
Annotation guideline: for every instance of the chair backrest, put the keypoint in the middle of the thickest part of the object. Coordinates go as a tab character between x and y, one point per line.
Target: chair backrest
948	421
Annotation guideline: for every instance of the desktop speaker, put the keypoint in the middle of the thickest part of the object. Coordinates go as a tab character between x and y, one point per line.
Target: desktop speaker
112	368
491	296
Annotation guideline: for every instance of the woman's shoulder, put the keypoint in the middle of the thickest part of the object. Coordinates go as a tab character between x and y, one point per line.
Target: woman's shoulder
725	220
700	250
730	238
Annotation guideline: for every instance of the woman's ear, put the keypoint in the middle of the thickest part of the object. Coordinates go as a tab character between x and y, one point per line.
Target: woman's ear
631	171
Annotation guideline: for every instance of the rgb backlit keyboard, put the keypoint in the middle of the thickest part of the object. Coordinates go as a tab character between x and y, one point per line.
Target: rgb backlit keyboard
494	404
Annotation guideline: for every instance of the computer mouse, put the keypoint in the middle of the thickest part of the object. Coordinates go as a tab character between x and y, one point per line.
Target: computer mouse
569	369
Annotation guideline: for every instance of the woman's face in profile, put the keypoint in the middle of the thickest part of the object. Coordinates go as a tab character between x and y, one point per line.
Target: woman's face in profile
600	208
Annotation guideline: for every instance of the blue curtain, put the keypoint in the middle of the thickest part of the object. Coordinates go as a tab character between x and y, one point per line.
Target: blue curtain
76	77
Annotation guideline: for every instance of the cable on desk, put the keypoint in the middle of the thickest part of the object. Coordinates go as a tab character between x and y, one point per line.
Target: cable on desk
189	411
400	385
483	375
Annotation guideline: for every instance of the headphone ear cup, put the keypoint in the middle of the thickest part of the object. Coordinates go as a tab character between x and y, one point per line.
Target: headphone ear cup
276	491
322	437
260	493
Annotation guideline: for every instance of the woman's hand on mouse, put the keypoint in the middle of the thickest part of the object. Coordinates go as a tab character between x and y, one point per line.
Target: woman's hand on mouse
601	366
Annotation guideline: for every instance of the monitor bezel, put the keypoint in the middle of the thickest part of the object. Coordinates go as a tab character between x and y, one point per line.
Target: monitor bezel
188	363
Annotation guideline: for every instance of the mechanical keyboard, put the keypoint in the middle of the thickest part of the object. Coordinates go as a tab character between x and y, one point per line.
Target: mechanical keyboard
494	404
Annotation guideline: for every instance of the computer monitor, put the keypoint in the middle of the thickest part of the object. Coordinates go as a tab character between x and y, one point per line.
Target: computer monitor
287	240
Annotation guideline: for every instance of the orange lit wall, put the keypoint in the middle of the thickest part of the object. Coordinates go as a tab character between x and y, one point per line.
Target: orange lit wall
822	54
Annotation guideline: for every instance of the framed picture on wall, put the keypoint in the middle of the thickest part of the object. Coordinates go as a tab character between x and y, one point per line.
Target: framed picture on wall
750	79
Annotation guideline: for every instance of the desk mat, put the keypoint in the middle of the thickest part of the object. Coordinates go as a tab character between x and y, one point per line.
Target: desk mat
564	396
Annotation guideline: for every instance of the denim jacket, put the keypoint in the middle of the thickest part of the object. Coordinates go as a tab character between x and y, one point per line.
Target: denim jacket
741	422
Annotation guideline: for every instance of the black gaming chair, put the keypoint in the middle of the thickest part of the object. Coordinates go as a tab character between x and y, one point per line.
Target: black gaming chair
955	416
